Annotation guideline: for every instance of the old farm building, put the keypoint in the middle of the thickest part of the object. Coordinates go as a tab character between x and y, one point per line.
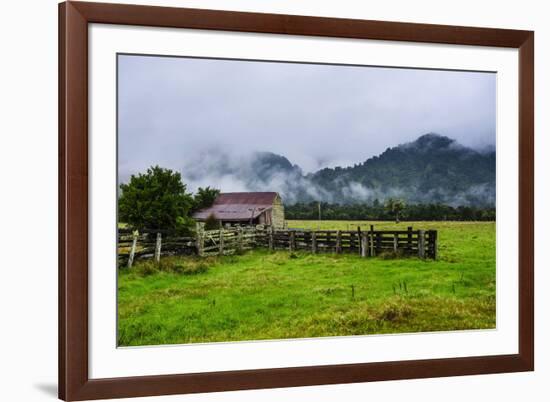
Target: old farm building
263	208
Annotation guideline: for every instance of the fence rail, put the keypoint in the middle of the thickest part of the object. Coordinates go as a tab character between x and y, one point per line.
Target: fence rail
225	241
422	243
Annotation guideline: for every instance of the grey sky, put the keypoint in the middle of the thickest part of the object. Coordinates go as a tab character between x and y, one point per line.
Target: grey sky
173	109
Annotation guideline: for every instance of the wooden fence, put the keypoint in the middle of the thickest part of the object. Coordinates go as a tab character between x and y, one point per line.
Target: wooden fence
225	241
133	245
422	243
229	241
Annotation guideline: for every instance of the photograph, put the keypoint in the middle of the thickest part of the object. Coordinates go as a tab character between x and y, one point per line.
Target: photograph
267	200
262	201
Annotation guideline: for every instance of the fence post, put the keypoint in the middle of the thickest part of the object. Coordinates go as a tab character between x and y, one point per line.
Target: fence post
338	242
313	242
421	244
434	245
271	245
372	253
158	246
221	241
239	239
359	240
395	240
291	241
133	249
363	245
409	239
200	241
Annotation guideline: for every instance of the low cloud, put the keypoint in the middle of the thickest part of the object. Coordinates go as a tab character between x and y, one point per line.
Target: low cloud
172	109
237	174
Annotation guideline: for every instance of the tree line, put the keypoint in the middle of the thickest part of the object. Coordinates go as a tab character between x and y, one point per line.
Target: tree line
391	210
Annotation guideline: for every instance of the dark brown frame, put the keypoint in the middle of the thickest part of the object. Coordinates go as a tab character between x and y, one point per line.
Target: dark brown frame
74	383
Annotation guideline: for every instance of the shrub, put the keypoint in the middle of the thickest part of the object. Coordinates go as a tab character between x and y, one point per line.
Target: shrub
390	254
211	223
394	311
146	268
170	265
183	267
193	269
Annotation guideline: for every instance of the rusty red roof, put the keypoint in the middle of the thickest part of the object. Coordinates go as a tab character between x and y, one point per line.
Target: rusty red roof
263	198
238	206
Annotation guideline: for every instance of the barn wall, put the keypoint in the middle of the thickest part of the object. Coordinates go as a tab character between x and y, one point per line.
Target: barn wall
278	213
265	218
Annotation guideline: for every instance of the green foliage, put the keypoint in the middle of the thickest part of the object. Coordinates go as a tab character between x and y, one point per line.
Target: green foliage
390	254
395	206
155	200
277	295
211	222
205	197
146	268
433	169
377	211
198	268
172	265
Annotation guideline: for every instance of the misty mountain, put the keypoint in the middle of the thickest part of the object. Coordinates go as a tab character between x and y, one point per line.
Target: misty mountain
432	169
265	165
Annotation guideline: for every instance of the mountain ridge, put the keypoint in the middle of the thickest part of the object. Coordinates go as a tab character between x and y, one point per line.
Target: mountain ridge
431	169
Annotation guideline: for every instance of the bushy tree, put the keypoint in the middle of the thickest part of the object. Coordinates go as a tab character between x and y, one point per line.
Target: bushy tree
395	207
155	200
205	197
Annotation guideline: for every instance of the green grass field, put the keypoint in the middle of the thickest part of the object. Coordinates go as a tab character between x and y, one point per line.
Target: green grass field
273	295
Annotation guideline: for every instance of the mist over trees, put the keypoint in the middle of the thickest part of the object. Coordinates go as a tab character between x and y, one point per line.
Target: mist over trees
433	169
432	178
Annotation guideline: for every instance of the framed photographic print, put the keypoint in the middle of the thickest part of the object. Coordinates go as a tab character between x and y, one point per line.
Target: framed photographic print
260	200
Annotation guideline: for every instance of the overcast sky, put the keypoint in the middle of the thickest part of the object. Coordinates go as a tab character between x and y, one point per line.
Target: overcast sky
173	109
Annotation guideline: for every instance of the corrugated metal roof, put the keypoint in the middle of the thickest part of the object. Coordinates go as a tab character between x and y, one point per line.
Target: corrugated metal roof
238	206
263	198
229	212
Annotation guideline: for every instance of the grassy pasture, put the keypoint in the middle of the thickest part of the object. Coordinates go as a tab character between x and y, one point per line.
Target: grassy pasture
274	295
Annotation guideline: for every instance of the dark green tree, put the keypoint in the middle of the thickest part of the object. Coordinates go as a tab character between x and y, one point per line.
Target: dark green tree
211	222
155	200
204	198
376	211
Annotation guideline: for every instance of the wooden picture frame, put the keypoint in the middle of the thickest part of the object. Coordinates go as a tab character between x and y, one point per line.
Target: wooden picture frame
74	381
